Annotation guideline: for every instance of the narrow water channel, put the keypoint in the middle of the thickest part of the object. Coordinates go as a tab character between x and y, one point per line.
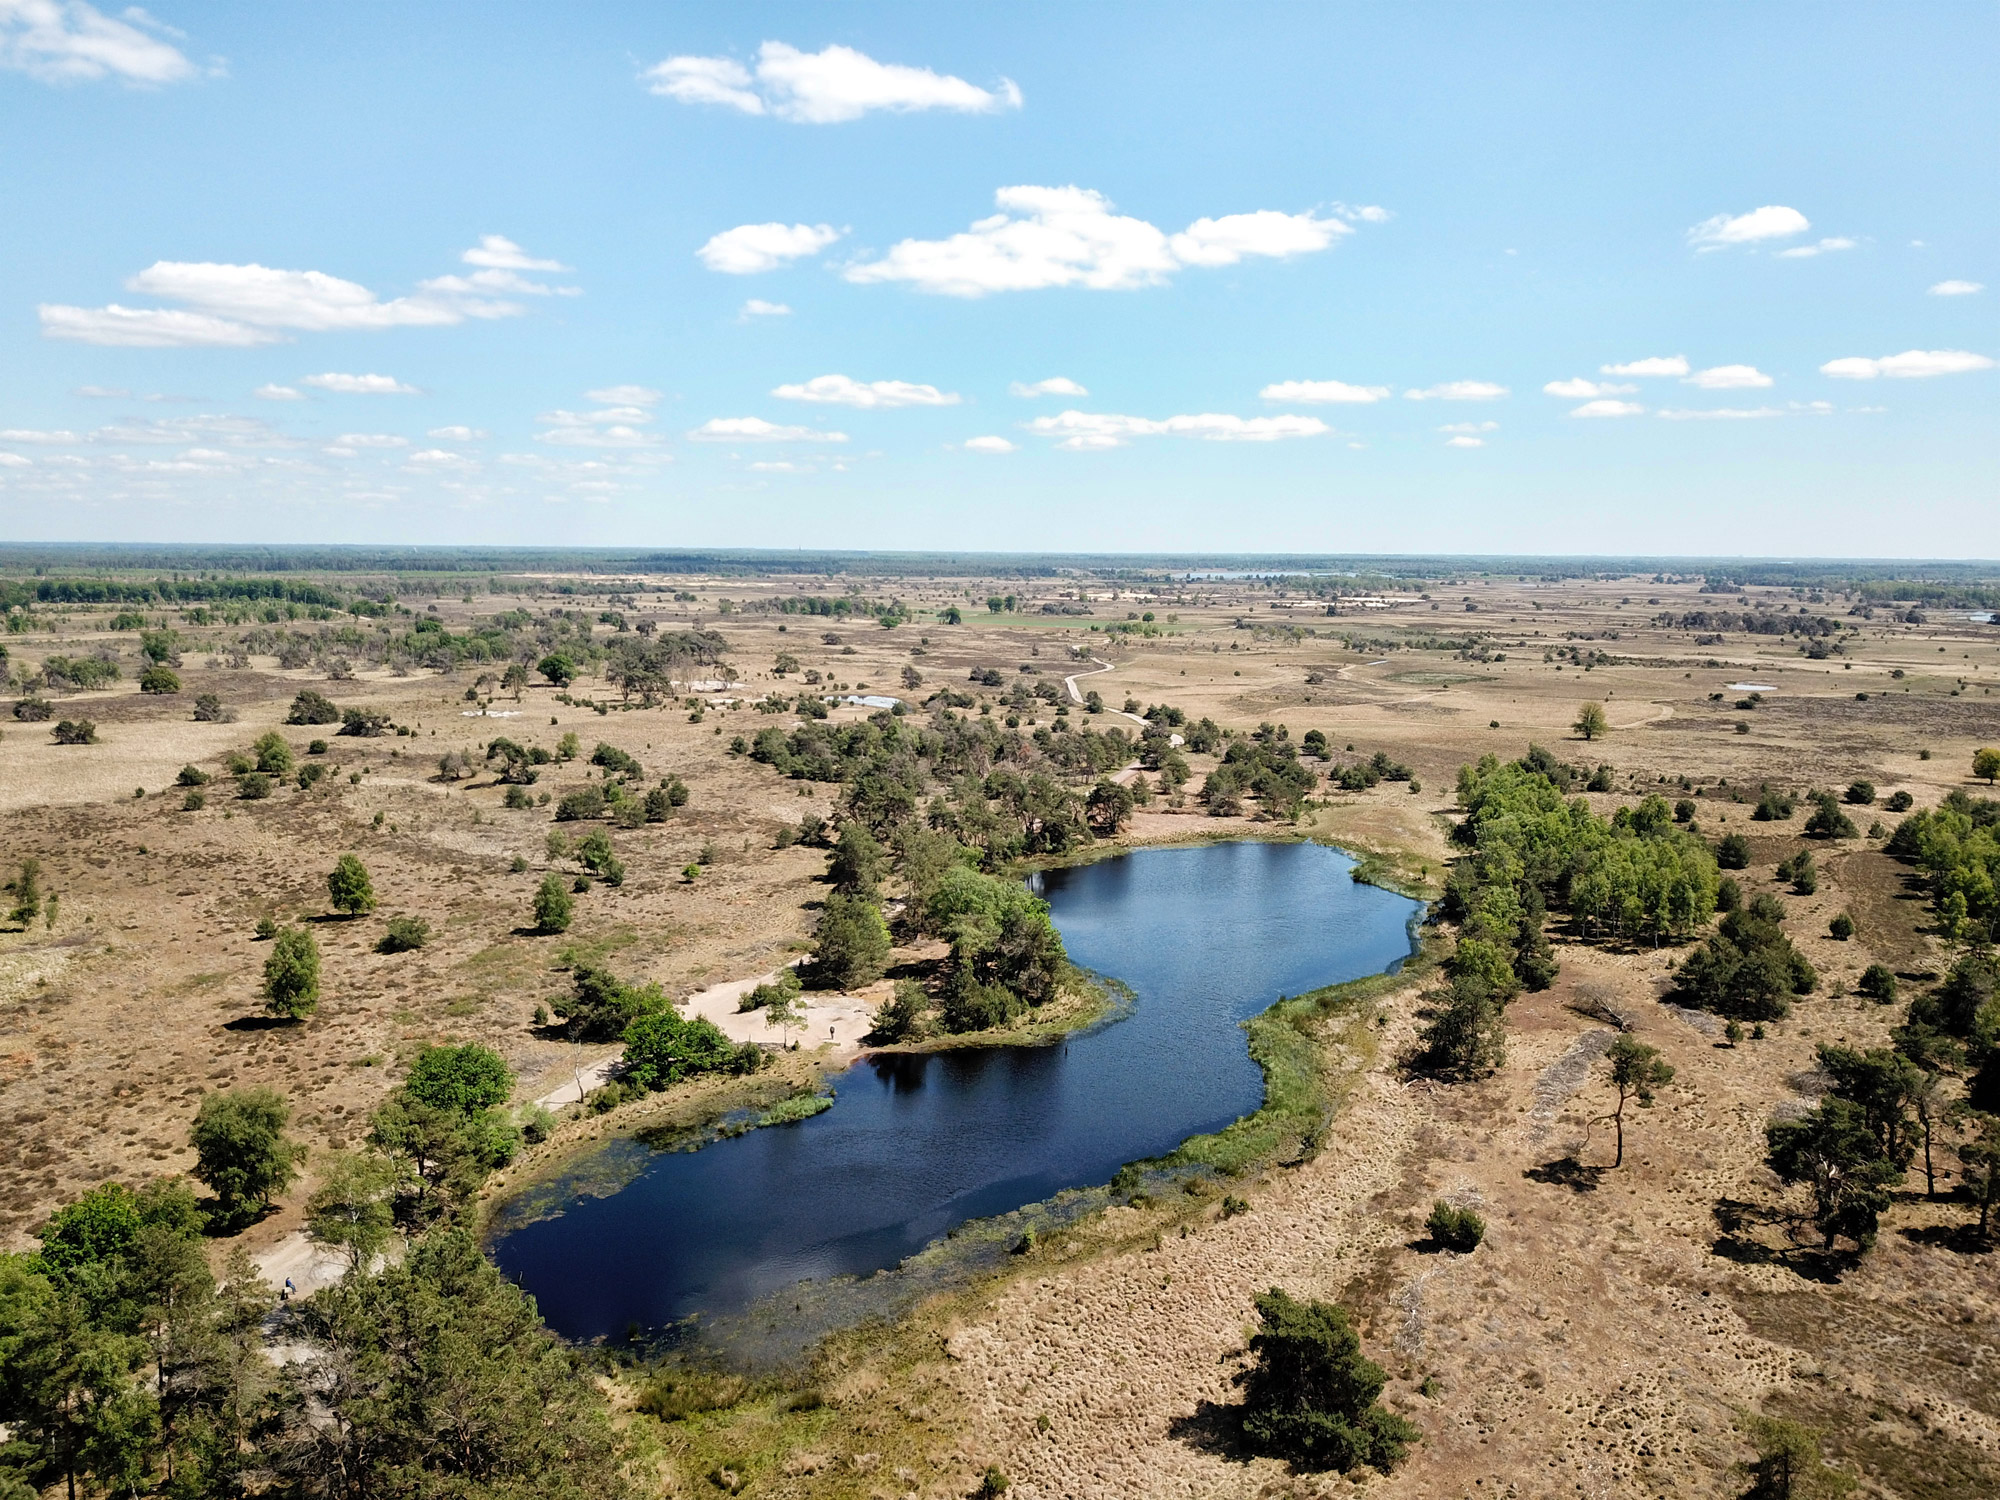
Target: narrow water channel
916	1144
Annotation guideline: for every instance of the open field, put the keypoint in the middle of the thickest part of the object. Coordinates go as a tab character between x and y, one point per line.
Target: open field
1601	1342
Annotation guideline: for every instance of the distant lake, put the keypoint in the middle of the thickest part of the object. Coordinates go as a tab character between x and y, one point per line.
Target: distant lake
917	1144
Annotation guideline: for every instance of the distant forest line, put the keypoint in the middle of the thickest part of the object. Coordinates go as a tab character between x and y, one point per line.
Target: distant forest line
84	573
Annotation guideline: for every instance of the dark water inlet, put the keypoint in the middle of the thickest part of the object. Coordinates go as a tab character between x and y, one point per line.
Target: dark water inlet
918	1143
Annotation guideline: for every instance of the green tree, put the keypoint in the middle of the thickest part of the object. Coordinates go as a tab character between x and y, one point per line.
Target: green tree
1980	1157
1591	723
851	943
465	1078
1108	806
1832	1151
1788	1465
437	1378
857	862
349	1210
26	889
241	1150
900	1018
159	679
600	1008
1310	1398
558	668
1986	764
291	974
274	755
1636	1070
553	905
349	886
663	1048
1463	1039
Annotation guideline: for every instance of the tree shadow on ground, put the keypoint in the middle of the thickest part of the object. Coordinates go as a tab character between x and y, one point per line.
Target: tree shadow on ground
1961	1239
1566	1171
259	1023
1739	1220
1214	1429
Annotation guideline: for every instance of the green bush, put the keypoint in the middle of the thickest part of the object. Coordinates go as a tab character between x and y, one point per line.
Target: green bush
1311	1395
159	679
291	974
1878	983
240	1146
553	905
1732	852
1457	1229
192	776
75	732
584	803
404	935
851	943
349	887
312	706
274	755
1841	927
463	1080
194	801
253	786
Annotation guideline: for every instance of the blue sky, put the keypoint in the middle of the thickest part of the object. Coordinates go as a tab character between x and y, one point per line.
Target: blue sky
511	273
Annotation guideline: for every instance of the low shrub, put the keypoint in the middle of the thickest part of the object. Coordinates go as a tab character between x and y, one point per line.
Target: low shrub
75	732
253	786
1458	1229
404	935
192	776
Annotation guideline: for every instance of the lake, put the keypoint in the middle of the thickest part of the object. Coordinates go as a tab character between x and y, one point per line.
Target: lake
918	1143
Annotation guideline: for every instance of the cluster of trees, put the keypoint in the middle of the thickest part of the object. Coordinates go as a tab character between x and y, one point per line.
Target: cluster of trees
1312	1397
662	1047
1957	845
1266	766
1749	969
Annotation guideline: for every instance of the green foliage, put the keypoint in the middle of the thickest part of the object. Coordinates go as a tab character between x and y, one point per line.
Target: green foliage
1986	764
1463	1039
1835	1154
1861	793
350	1209
595	854
253	786
782	990
404	935
312	706
1957	845
1310	1398
662	1049
464	1079
584	803
363	723
1636	1071
192	776
1828	821
75	732
553	905
1788	1465
1458	1229
858	862
348	886
26	889
851	942
615	761
1801	872
1006	955
159	679
903	1016
1841	928
1878	983
1773	807
291	974
1108	806
558	668
600	1008
274	755
1749	970
1591	722
1267	768
241	1150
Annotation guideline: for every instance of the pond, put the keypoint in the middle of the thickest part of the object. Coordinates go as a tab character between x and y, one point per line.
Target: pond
917	1144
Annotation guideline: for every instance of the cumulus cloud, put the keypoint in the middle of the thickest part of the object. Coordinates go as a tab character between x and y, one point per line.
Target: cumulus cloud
1608	408
371	440
1324	392
1912	364
497	252
1771	222
616	424
457	434
757	307
103	392
277	393
750	248
68	41
15	461
839	390
1069	236
757	430
1055	385
989	445
1465	442
51	437
1582	390
821	88
1824	247
1091	430
1729	378
360	385
1957	288
237	306
625	395
1459	390
1470	427
1721	413
1669	364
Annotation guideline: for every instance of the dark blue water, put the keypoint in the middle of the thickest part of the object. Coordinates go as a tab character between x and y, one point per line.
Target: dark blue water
1206	937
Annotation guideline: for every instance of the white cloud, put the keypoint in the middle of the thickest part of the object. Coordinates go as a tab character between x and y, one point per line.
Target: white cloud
1225	241
1912	364
457	434
757	430
1069	236
1608	409
1470	427
1721	413
989	445
1459	390
237	306
1668	364
38	435
277	393
15	461
1055	385
757	307
1957	288
1091	430
750	248
103	392
438	458
1465	442
1729	378
779	466
497	252
839	390
1329	392
371	440
360	385
625	395
821	88
1824	247
67	41
1772	222
1582	390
